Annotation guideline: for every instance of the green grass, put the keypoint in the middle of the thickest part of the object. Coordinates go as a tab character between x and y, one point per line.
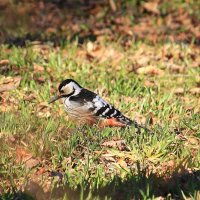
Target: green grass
165	162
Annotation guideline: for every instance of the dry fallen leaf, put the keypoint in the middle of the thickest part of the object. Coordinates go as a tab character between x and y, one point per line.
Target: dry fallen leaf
30	97
151	7
148	83
42	105
38	68
175	68
139	118
120	144
32	162
150	70
46	114
108	157
4	62
193	141
10	83
142	61
179	91
43	110
22	155
122	163
195	91
127	30
40	171
40	79
102	53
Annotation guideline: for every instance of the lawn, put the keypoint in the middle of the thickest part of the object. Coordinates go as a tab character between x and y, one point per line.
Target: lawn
44	156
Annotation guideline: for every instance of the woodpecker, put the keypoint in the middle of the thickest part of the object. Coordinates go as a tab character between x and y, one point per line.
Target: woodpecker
86	107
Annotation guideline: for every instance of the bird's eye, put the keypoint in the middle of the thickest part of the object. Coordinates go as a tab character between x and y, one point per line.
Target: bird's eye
61	91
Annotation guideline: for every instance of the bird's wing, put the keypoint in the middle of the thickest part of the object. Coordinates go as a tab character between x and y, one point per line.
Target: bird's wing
89	101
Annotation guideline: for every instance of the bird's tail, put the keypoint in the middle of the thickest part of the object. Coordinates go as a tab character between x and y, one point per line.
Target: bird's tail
130	122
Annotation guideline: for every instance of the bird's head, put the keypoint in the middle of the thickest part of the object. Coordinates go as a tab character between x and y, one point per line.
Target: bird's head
66	89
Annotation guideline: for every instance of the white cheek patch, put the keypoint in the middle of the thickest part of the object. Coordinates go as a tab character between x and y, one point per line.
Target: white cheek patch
67	89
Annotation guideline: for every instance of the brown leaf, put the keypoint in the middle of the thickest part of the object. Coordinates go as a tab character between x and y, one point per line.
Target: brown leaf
151	7
126	30
4	62
22	155
102	53
195	91
169	166
193	141
32	162
179	91
42	105
120	144
41	171
138	117
150	70
67	160
38	68
142	61
46	114
112	5
123	20
5	108
122	163
43	110
40	79
108	157
10	83
4	4
148	83
176	68
30	97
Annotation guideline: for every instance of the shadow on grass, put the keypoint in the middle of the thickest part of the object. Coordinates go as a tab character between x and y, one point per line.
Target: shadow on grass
56	39
135	186
35	22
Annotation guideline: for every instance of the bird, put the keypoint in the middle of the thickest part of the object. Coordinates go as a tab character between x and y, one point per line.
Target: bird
86	107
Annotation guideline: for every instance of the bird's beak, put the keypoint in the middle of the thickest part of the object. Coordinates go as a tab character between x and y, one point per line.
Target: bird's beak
54	98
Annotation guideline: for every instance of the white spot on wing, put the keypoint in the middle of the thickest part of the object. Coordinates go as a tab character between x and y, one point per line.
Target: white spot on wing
105	111
89	105
115	112
98	103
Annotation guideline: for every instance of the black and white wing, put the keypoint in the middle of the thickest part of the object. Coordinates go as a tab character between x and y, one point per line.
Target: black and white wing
99	107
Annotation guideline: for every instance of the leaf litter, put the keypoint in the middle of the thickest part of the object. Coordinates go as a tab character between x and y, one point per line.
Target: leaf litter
9	83
23	156
145	59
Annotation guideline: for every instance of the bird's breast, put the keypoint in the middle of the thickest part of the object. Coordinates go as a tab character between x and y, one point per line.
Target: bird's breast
69	107
78	111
